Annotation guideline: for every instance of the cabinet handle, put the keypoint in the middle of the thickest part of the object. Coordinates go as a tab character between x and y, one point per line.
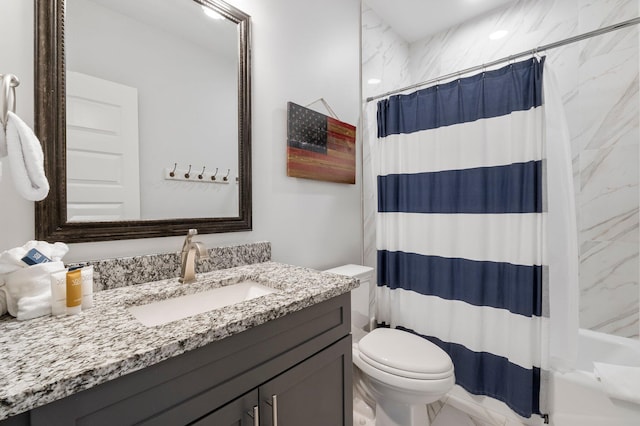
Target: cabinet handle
255	416
274	409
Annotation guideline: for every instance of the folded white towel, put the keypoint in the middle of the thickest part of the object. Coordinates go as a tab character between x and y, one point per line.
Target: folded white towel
11	260
34	307
26	158
55	251
29	282
3	301
619	381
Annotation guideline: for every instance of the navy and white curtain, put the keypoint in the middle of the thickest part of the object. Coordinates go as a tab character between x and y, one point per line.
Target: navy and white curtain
461	227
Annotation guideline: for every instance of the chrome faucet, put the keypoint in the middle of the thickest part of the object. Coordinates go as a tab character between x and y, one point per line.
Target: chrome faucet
191	251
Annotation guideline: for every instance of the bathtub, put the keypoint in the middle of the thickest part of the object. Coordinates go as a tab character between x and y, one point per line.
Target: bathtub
577	398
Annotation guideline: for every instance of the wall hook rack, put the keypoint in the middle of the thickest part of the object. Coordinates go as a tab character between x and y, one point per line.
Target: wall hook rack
178	174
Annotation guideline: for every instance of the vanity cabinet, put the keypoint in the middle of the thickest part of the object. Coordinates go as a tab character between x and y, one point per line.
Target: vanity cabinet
303	359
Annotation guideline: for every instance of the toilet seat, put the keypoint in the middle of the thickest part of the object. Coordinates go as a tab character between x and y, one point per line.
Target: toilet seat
407	374
404	354
405	388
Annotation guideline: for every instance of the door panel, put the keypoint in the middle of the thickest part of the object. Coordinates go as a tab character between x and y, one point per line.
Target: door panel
103	182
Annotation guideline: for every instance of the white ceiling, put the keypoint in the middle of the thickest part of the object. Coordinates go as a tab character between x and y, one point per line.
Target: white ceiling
183	18
416	19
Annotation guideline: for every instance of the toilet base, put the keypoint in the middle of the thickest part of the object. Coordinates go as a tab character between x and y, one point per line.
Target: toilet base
394	414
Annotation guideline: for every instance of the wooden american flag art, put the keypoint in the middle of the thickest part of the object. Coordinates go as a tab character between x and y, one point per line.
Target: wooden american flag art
319	147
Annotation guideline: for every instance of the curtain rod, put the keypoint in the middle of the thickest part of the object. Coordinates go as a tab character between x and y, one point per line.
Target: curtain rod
538	49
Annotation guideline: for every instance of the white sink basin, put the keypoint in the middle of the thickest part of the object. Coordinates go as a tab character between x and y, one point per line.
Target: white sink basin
165	311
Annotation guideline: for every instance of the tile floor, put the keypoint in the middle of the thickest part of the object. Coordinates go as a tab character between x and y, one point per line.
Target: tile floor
440	415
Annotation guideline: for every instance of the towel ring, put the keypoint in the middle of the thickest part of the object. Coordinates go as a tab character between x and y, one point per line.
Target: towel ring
9	83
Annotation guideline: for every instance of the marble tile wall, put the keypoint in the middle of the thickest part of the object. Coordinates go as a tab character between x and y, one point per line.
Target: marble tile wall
385	55
599	84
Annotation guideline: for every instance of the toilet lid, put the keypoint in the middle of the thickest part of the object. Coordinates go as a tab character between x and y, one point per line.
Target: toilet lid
404	354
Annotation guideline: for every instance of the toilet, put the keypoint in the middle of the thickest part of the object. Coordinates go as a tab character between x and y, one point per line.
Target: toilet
396	373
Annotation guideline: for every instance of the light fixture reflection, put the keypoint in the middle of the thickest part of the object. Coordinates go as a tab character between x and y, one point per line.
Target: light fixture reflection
498	34
211	13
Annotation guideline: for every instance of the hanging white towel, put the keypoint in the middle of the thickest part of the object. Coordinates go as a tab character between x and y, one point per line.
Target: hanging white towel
619	381
3	147
3	141
26	158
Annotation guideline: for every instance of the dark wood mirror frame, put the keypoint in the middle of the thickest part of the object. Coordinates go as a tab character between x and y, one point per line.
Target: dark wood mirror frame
50	121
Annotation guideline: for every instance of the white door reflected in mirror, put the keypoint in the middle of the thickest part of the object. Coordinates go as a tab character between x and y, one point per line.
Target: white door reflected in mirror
103	182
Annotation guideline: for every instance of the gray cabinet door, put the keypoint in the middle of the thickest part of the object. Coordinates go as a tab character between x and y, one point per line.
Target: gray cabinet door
238	412
316	392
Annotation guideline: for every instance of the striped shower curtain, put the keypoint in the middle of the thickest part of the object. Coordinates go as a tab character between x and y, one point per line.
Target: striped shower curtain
461	227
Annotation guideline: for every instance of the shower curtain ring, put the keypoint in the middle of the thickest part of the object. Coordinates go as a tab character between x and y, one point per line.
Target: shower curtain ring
536	53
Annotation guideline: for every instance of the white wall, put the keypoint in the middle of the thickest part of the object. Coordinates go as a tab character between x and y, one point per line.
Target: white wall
301	51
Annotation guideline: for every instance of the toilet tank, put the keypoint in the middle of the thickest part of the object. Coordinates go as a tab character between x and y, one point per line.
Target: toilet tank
362	298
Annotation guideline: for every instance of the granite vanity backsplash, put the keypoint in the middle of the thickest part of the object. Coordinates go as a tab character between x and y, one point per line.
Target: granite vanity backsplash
127	271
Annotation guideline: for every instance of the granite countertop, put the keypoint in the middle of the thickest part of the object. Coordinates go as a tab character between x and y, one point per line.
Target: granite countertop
47	358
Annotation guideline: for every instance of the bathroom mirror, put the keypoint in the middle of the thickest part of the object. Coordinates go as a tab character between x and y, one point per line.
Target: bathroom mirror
143	111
